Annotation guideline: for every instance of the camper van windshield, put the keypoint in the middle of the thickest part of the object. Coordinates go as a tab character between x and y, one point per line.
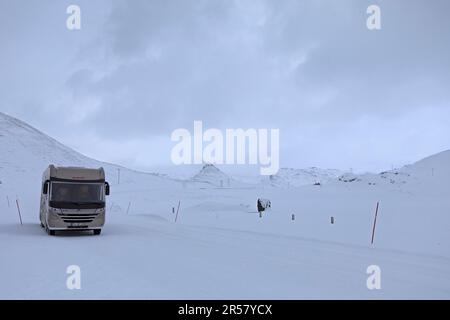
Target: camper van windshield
77	193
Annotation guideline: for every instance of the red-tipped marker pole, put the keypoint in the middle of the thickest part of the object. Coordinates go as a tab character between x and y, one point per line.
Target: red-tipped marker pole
176	217
375	222
18	210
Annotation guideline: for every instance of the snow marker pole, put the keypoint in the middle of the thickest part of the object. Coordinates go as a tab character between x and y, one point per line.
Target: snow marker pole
375	222
176	217
129	204
18	210
7	199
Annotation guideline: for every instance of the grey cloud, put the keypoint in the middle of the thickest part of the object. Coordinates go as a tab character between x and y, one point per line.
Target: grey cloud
139	70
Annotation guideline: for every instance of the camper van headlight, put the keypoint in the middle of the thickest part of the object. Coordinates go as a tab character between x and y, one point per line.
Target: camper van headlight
54	210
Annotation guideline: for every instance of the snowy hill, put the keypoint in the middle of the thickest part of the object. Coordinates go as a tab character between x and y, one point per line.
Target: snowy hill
432	172
392	178
434	167
210	175
288	177
25	153
24	148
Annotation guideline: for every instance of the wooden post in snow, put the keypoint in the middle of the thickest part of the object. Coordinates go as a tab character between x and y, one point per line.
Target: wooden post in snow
18	210
7	199
176	217
129	204
374	223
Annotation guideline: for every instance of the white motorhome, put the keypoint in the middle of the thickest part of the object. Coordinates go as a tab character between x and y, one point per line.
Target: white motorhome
73	199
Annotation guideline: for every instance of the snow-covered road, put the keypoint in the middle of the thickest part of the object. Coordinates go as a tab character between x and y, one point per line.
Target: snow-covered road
146	257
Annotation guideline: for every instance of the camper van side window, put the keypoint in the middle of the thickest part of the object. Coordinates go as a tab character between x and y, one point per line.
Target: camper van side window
45	187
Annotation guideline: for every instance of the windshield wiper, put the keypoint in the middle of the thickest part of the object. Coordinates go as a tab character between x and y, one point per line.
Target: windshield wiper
84	202
75	203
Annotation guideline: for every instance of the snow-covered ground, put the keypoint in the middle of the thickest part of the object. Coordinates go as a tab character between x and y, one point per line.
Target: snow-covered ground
219	247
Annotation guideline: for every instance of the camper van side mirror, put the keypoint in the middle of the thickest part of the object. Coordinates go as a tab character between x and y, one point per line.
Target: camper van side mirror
45	187
107	188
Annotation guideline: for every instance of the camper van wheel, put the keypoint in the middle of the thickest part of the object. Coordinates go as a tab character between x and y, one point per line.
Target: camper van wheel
97	231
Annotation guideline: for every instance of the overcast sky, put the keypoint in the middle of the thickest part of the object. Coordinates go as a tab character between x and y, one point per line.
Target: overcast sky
342	96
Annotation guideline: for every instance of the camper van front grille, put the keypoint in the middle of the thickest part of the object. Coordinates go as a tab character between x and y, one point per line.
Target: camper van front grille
78	217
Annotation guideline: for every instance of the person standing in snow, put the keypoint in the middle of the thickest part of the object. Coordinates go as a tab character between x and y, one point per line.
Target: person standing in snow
260	207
